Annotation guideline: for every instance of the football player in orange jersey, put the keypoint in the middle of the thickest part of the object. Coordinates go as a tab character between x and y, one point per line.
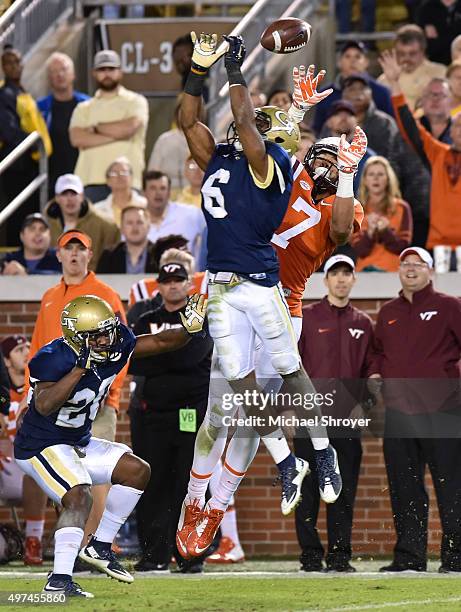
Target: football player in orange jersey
321	215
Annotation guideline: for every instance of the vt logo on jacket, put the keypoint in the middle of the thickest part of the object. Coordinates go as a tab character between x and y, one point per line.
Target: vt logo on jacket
356	333
427	316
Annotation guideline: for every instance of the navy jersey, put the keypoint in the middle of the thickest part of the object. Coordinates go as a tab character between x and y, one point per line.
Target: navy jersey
71	424
242	216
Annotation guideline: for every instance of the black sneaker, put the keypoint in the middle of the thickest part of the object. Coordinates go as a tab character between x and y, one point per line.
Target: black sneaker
67	587
190	568
329	477
312	566
80	566
145	565
291	479
399	567
101	556
341	567
448	569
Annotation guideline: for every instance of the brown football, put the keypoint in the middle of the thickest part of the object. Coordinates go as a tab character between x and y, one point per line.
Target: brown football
286	35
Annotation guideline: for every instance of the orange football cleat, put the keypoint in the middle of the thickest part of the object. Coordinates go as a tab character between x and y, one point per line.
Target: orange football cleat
190	514
205	529
33	551
227	552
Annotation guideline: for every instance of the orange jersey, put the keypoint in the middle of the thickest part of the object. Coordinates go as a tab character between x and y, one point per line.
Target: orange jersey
303	240
16	395
148	287
48	324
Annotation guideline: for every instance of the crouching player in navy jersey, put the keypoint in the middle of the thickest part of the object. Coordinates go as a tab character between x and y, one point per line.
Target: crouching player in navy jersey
245	194
70	378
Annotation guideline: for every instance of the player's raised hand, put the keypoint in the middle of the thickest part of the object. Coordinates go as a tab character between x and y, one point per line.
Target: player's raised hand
236	51
350	154
194	314
390	66
206	51
305	86
84	359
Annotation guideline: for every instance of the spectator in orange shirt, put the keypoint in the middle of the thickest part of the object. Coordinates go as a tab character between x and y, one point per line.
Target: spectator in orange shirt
444	160
388	225
75	252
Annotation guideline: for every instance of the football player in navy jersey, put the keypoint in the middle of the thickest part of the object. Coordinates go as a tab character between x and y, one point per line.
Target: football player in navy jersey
245	194
70	378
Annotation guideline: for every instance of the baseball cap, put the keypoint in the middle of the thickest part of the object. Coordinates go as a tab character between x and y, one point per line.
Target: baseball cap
66	237
420	252
9	343
338	259
338	106
68	181
353	44
32	218
172	270
107	59
353	78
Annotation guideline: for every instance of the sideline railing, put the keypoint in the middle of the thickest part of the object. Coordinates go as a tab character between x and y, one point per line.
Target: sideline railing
39	182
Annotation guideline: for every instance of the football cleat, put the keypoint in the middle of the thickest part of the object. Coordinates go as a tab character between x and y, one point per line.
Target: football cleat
33	551
292	478
102	557
190	514
202	535
329	477
227	552
68	587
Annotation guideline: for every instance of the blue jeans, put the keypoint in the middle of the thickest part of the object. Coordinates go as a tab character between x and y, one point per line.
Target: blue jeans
112	11
343	15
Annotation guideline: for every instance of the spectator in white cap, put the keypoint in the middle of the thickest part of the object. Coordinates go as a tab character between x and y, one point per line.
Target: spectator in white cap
71	210
111	124
335	348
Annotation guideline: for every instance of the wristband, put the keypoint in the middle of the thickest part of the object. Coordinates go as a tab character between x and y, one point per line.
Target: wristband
235	77
194	83
345	185
296	113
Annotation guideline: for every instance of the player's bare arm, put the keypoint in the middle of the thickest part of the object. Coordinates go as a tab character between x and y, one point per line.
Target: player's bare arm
305	94
171	340
51	396
349	156
243	111
199	138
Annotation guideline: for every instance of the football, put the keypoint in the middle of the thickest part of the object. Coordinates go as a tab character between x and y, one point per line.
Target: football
286	35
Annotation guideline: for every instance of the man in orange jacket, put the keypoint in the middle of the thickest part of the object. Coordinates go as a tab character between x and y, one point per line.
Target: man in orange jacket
74	252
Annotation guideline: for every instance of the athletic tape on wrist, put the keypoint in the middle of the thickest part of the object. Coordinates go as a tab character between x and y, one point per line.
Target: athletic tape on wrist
194	83
234	76
296	113
345	185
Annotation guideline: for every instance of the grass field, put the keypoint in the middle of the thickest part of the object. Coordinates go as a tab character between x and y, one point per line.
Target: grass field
253	586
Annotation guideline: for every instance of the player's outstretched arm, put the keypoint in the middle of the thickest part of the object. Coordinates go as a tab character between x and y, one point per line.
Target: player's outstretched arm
349	156
199	138
192	320
243	111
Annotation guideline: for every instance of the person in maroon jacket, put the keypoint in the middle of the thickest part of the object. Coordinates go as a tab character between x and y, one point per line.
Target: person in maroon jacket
335	346
417	350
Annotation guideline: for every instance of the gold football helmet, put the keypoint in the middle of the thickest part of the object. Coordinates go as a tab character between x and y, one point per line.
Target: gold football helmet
273	124
92	317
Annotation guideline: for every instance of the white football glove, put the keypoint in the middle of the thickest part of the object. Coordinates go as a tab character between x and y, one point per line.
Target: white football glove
206	51
194	314
350	154
305	94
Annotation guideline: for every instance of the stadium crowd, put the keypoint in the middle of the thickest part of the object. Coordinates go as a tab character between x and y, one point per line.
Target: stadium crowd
110	212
